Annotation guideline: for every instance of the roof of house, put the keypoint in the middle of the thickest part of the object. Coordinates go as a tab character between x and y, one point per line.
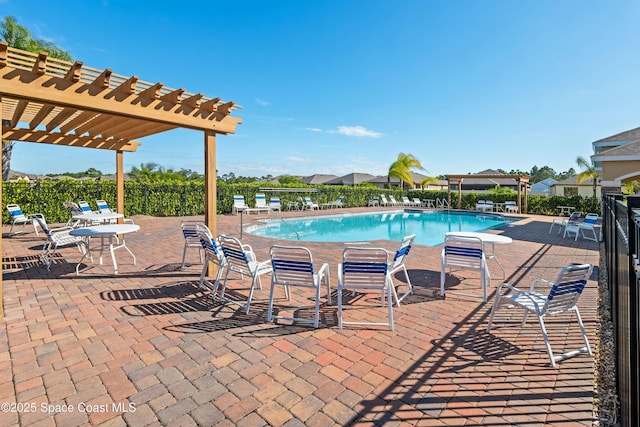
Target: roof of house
629	151
383	179
318	179
351	179
573	181
626	136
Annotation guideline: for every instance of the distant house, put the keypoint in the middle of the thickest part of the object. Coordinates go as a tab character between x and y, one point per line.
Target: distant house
542	188
570	187
351	179
318	179
617	159
477	184
383	181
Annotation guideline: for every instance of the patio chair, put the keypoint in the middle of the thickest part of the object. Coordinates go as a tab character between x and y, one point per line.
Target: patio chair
309	204
238	204
274	204
418	202
212	253
383	200
375	201
510	206
241	259
335	204
58	237
406	201
191	239
562	222
398	265
573	226
587	227
261	204
561	297
365	269
464	253
103	208
293	266
19	217
393	202
84	206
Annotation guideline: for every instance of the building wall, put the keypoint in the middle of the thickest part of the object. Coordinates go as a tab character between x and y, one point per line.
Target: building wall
583	190
616	169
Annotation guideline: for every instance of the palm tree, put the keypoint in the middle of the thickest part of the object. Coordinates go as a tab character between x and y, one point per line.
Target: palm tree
588	172
401	169
19	37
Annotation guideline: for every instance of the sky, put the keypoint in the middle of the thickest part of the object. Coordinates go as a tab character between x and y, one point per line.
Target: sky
342	86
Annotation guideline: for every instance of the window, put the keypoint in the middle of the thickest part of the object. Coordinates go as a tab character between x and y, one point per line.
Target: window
570	191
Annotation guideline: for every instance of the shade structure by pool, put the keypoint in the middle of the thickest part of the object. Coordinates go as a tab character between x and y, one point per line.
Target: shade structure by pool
429	227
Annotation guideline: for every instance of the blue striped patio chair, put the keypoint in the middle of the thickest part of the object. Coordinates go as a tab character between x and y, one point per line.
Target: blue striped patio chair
293	267
191	239
464	253
19	217
398	265
365	269
212	253
241	259
558	298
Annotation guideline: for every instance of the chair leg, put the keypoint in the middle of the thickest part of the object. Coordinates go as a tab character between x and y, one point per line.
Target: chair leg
546	341
339	307
184	255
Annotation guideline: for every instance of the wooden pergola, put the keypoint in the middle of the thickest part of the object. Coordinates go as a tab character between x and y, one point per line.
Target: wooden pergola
520	179
49	101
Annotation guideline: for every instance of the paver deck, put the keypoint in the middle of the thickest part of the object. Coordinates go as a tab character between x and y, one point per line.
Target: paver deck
147	347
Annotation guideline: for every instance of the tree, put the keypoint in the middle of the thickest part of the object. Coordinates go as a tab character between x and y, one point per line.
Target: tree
588	172
401	169
19	37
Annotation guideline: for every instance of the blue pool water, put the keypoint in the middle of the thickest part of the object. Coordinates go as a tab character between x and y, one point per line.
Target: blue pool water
429	227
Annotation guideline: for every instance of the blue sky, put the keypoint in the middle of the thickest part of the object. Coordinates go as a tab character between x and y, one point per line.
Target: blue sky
341	86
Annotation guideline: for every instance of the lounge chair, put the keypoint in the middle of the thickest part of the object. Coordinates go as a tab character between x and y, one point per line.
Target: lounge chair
561	297
586	228
375	201
58	237
562	222
510	207
418	202
293	266
406	201
19	217
335	204
274	204
309	204
383	200
393	202
464	253
238	204
365	269
261	204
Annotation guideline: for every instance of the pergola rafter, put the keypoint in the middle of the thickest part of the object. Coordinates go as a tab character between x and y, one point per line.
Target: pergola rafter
50	101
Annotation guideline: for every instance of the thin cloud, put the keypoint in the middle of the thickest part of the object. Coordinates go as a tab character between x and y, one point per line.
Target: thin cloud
261	102
357	131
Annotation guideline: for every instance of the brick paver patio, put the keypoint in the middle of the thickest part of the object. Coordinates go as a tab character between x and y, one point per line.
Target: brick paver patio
146	347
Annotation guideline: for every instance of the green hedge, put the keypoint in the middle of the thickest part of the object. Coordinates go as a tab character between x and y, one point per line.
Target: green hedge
160	200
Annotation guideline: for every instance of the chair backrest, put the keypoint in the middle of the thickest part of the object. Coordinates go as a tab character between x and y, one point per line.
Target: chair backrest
274	202
72	207
574	217
43	224
84	206
189	230
103	207
376	198
16	213
292	265
238	200
393	199
364	268
261	200
480	202
403	250
307	200
209	244
406	199
567	288
339	199
591	219
234	254
383	198
463	252
417	200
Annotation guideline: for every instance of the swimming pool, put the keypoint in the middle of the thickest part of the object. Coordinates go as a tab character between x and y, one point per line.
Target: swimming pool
429	227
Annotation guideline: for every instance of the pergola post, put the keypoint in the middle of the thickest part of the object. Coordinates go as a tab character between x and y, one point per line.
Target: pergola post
120	182
210	190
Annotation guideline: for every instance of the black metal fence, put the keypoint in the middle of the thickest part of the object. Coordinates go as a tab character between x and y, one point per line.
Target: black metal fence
621	231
